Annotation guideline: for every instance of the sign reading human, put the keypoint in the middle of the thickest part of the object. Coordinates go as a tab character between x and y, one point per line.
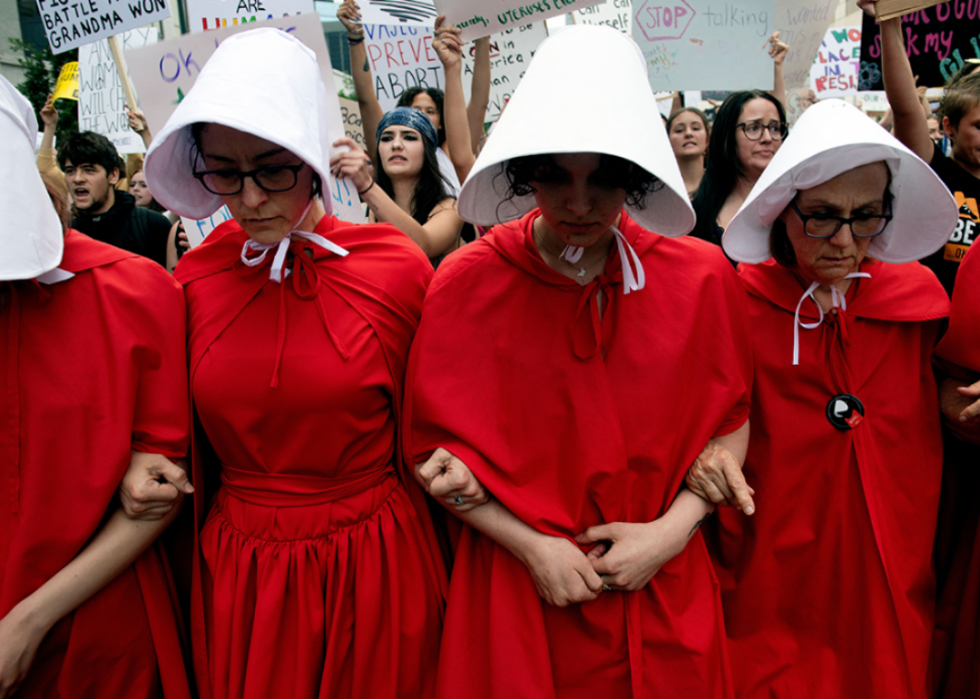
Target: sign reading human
69	24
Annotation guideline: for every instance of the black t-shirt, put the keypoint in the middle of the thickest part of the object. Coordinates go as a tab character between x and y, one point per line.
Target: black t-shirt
966	189
129	227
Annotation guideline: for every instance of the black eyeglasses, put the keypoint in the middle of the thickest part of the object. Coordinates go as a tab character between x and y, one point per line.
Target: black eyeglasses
826	226
273	178
753	129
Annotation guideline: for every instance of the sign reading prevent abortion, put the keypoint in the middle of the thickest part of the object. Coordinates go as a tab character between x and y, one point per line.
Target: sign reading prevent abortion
704	44
69	24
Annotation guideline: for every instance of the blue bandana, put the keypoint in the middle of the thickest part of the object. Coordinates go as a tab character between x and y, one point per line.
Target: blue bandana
413	119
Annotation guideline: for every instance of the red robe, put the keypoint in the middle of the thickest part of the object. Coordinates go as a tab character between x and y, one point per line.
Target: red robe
90	368
828	589
956	649
572	421
319	573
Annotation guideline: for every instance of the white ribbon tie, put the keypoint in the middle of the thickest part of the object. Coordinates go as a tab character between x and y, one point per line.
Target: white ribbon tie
836	298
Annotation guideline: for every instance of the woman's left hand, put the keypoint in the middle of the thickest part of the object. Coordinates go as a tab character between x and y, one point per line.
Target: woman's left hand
19	641
446	478
353	164
777	49
628	555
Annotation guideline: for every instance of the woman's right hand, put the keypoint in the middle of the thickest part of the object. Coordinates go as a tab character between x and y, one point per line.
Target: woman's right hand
352	163
446	478
152	487
562	574
49	115
717	477
19	641
349	14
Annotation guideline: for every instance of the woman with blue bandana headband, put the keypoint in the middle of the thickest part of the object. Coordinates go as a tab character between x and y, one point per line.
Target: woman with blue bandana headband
407	190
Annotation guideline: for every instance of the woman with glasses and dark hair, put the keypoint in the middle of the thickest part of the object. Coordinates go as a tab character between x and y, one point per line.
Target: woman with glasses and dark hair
828	589
317	562
749	128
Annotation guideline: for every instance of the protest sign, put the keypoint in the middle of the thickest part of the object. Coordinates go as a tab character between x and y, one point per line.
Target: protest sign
350	113
417	13
166	71
510	53
890	9
938	40
66	88
802	25
837	66
215	14
101	98
69	24
400	58
704	45
617	14
475	19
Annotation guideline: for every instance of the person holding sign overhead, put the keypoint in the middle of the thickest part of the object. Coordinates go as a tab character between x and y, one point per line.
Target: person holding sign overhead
318	572
583	322
828	589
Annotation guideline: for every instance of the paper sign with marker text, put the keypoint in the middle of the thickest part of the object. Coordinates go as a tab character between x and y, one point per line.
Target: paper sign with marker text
836	68
617	14
511	52
476	18
204	15
402	13
401	58
704	44
69	24
66	88
802	25
165	72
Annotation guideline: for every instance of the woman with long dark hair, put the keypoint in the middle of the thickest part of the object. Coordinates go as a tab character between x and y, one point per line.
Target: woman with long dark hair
408	189
748	130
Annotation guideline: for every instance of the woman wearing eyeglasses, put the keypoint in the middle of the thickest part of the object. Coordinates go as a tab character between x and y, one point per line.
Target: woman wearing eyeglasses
318	572
748	130
828	589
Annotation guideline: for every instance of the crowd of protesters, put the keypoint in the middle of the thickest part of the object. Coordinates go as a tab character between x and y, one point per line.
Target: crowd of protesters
472	445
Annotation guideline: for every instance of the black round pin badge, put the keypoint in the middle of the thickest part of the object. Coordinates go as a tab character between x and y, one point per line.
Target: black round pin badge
845	412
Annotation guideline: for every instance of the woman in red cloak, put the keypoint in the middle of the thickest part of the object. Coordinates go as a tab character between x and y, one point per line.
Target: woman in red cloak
93	379
828	589
318	572
593	379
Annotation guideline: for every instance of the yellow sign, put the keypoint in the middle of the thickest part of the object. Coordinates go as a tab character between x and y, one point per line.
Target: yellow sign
955	253
67	86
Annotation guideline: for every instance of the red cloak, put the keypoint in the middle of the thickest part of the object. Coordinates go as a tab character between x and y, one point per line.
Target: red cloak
828	589
318	571
572	421
92	367
956	649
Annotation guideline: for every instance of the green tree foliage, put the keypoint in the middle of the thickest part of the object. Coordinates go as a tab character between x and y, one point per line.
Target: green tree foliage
43	68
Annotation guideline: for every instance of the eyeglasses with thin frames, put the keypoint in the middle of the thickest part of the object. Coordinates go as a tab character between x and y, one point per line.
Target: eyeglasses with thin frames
753	129
827	226
228	182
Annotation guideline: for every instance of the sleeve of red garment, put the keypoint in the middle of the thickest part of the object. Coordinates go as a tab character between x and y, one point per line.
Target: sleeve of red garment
161	421
734	293
961	344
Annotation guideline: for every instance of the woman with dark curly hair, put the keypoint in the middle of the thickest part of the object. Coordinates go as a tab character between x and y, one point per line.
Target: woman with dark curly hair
586	335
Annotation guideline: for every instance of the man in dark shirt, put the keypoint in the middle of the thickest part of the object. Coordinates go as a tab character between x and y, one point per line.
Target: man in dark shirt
91	167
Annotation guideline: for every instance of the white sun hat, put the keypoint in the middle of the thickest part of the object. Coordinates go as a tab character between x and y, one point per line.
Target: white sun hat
831	138
585	91
262	82
31	236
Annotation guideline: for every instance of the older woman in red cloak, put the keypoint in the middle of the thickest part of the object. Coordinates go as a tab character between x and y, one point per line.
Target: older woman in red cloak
593	378
828	589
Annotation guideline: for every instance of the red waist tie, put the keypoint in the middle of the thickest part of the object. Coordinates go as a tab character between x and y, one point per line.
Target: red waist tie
290	490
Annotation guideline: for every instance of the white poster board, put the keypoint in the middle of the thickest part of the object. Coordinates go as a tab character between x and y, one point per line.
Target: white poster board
400	58
802	25
476	18
69	24
413	13
617	14
510	54
837	66
203	15
704	45
100	95
166	71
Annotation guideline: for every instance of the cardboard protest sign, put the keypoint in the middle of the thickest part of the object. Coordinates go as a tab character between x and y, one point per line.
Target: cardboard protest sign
215	14
836	68
938	41
400	58
704	45
66	88
101	100
417	13
510	53
889	9
350	113
69	24
802	25
617	14
166	71
475	18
